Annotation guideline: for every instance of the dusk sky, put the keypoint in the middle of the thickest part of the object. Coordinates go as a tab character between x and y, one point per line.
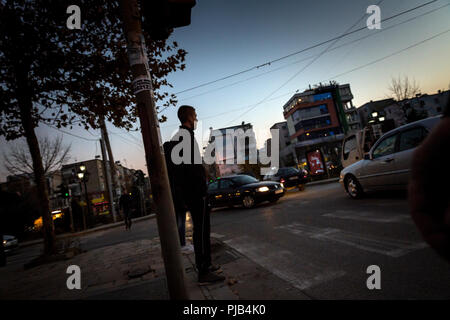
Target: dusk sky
226	37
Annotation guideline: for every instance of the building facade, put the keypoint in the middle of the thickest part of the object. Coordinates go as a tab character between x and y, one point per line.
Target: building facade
226	154
317	120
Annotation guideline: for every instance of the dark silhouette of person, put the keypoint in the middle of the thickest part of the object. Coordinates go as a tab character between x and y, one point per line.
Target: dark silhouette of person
189	186
428	190
179	206
77	213
125	203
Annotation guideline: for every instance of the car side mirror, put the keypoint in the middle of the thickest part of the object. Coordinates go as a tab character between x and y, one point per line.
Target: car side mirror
367	156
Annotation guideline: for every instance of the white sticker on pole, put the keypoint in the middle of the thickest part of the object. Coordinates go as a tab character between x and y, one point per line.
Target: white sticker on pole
141	83
136	56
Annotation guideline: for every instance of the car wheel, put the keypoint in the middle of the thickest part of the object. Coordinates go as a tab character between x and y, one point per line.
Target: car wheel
248	202
353	187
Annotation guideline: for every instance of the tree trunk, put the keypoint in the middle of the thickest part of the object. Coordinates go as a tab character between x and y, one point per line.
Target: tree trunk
25	104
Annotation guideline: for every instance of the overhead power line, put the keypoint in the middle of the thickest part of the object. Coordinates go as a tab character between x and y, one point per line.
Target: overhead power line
127	140
71	134
302	50
336	76
304	68
311	57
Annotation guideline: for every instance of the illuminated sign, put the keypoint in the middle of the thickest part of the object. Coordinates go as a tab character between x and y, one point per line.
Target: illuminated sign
315	162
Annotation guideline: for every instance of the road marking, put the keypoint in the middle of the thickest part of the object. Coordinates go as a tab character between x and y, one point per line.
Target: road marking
368	216
284	264
386	246
216	235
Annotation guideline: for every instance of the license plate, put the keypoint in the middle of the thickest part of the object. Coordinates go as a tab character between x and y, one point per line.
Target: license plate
278	191
293	178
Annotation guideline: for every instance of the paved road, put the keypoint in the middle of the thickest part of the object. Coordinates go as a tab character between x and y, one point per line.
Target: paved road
321	242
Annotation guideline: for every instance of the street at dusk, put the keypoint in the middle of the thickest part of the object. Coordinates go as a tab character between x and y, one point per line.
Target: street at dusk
315	244
216	158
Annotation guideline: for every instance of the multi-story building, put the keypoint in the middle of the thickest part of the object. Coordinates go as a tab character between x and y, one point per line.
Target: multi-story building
381	116
24	183
317	120
427	105
226	156
286	155
386	109
95	185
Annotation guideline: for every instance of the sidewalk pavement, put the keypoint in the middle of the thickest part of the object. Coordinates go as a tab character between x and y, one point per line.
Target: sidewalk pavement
135	271
84	232
331	180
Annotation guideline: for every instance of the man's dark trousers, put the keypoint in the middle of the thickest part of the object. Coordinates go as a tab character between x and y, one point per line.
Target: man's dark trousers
201	223
180	213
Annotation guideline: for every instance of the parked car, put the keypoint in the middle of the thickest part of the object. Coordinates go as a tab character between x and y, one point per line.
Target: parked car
387	166
242	189
10	243
288	177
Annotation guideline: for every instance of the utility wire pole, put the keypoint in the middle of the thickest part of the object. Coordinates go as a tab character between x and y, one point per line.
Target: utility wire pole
142	87
107	174
112	165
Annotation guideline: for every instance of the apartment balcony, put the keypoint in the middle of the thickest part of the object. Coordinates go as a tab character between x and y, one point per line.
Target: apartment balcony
320	140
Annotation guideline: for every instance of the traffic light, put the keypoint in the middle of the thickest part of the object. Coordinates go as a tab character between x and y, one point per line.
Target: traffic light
159	17
62	191
65	192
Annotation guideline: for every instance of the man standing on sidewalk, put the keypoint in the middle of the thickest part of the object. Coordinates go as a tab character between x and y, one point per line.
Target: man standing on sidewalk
178	203
189	182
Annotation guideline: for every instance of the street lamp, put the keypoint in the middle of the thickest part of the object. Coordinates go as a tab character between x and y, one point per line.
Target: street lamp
83	175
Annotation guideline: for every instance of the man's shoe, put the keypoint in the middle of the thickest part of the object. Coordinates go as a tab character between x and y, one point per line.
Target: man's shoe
209	278
188	248
215	268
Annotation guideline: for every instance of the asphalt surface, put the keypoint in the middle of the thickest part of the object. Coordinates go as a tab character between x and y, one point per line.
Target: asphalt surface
319	241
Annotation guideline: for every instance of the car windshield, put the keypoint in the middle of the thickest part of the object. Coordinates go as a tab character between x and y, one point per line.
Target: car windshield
241	180
286	171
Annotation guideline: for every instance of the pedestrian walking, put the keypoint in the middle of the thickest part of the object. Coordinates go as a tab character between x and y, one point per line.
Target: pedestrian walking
188	183
125	203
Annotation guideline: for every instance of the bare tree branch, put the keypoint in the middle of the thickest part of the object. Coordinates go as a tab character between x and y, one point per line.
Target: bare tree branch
401	89
54	155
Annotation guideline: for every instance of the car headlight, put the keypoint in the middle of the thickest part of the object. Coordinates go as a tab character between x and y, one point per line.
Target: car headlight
262	189
4	241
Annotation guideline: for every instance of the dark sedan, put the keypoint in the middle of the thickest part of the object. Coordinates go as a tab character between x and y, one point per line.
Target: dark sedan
242	189
288	177
10	243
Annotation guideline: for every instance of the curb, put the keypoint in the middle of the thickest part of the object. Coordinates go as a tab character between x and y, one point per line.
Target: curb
77	234
323	182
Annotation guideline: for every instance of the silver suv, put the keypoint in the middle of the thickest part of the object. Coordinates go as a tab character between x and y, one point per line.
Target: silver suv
388	163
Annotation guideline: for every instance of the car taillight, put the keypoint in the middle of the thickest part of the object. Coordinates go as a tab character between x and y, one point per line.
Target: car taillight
282	180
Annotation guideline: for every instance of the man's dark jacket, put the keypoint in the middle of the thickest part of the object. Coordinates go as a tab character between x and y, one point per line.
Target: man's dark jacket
187	180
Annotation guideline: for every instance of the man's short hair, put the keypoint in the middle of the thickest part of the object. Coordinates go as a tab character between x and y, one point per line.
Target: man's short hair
184	112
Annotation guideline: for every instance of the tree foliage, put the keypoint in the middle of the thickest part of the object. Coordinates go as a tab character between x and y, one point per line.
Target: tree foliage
54	75
73	76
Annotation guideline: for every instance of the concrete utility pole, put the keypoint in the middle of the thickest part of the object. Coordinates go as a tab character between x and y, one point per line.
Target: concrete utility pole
142	87
107	174
112	165
72	227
